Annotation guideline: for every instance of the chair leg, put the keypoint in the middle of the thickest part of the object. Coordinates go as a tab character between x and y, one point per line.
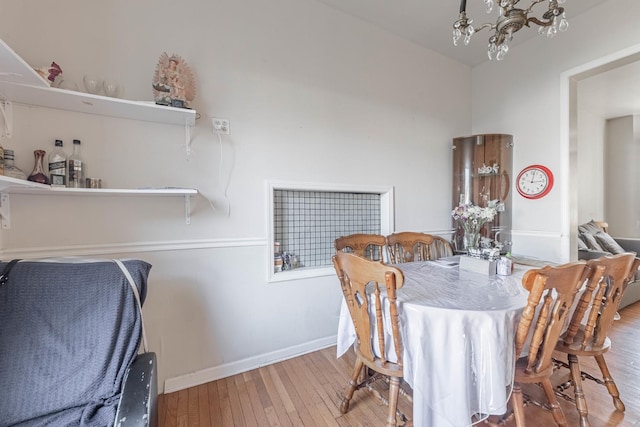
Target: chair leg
517	403
576	379
394	389
351	387
611	385
556	409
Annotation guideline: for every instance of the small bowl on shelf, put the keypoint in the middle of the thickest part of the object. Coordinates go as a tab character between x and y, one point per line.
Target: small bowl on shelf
111	88
92	84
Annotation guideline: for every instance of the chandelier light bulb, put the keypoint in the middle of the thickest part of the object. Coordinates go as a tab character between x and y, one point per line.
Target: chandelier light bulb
489	5
468	33
456	36
552	31
491	50
564	24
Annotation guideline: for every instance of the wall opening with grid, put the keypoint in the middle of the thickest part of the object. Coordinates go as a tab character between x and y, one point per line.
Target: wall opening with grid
304	219
306	223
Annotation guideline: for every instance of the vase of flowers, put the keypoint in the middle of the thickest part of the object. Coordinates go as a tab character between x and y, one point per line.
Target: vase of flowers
471	218
470	239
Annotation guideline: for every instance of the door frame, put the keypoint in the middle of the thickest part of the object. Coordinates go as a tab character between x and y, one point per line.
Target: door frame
569	140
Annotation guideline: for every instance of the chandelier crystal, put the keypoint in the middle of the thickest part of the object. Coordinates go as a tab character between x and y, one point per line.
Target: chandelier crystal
510	20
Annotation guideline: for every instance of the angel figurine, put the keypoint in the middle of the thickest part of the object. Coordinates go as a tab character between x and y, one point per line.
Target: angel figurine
173	82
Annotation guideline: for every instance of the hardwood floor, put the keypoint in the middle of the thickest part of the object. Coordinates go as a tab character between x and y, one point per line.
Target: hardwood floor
306	390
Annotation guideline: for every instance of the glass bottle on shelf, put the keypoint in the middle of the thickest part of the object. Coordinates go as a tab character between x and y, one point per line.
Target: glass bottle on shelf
76	167
10	169
58	165
38	174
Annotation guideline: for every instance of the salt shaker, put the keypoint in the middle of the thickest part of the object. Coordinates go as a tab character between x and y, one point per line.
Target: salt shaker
277	263
505	266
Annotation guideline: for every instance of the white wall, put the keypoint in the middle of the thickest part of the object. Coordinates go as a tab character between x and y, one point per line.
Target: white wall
590	156
622	177
521	96
313	95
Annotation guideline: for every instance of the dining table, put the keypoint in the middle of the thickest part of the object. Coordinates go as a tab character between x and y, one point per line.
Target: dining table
458	330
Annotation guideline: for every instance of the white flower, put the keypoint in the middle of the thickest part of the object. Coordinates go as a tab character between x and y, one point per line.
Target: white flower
472	217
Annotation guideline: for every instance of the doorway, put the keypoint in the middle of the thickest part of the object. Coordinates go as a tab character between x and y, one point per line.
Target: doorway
569	138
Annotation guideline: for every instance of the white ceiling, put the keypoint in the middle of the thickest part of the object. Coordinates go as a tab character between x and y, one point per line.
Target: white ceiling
429	23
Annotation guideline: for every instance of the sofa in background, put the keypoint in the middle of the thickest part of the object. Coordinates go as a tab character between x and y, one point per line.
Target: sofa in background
594	241
70	332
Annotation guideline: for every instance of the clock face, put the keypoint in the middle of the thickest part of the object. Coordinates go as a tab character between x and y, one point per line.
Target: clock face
534	181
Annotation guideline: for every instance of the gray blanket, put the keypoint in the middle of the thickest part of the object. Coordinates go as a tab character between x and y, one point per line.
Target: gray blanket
68	332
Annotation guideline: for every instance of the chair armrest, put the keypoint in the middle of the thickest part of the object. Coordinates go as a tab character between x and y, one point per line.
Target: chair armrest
631	245
586	255
139	397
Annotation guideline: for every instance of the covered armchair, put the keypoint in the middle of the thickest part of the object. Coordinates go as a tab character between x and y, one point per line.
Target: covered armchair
595	242
70	331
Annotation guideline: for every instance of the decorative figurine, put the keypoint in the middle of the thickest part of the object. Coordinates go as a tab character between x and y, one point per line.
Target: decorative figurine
52	74
173	82
489	170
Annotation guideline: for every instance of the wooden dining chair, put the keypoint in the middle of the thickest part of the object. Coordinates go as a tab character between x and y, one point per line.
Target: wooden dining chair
552	291
587	333
356	274
368	246
408	246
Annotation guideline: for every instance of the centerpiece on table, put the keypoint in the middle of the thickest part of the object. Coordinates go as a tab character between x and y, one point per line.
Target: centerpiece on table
471	218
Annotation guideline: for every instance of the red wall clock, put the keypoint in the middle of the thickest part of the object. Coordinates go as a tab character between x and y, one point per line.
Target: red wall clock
534	182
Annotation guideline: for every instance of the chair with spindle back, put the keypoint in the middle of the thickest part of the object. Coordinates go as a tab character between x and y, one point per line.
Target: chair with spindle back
368	246
590	325
552	291
356	274
408	246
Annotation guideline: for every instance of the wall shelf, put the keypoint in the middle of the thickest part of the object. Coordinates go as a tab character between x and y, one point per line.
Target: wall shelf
20	83
21	186
10	186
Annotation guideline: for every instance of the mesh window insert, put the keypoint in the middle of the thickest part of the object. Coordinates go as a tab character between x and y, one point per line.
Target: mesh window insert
307	222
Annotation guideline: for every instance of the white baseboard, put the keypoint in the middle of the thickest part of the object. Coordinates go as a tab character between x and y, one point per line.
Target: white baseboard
215	373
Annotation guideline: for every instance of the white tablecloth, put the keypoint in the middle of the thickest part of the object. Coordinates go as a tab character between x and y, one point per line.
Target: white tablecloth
458	329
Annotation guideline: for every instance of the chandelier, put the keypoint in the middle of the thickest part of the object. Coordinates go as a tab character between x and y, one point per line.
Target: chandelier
510	20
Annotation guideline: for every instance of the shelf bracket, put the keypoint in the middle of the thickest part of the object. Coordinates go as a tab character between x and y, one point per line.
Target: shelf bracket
187	209
6	107
5	212
187	139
